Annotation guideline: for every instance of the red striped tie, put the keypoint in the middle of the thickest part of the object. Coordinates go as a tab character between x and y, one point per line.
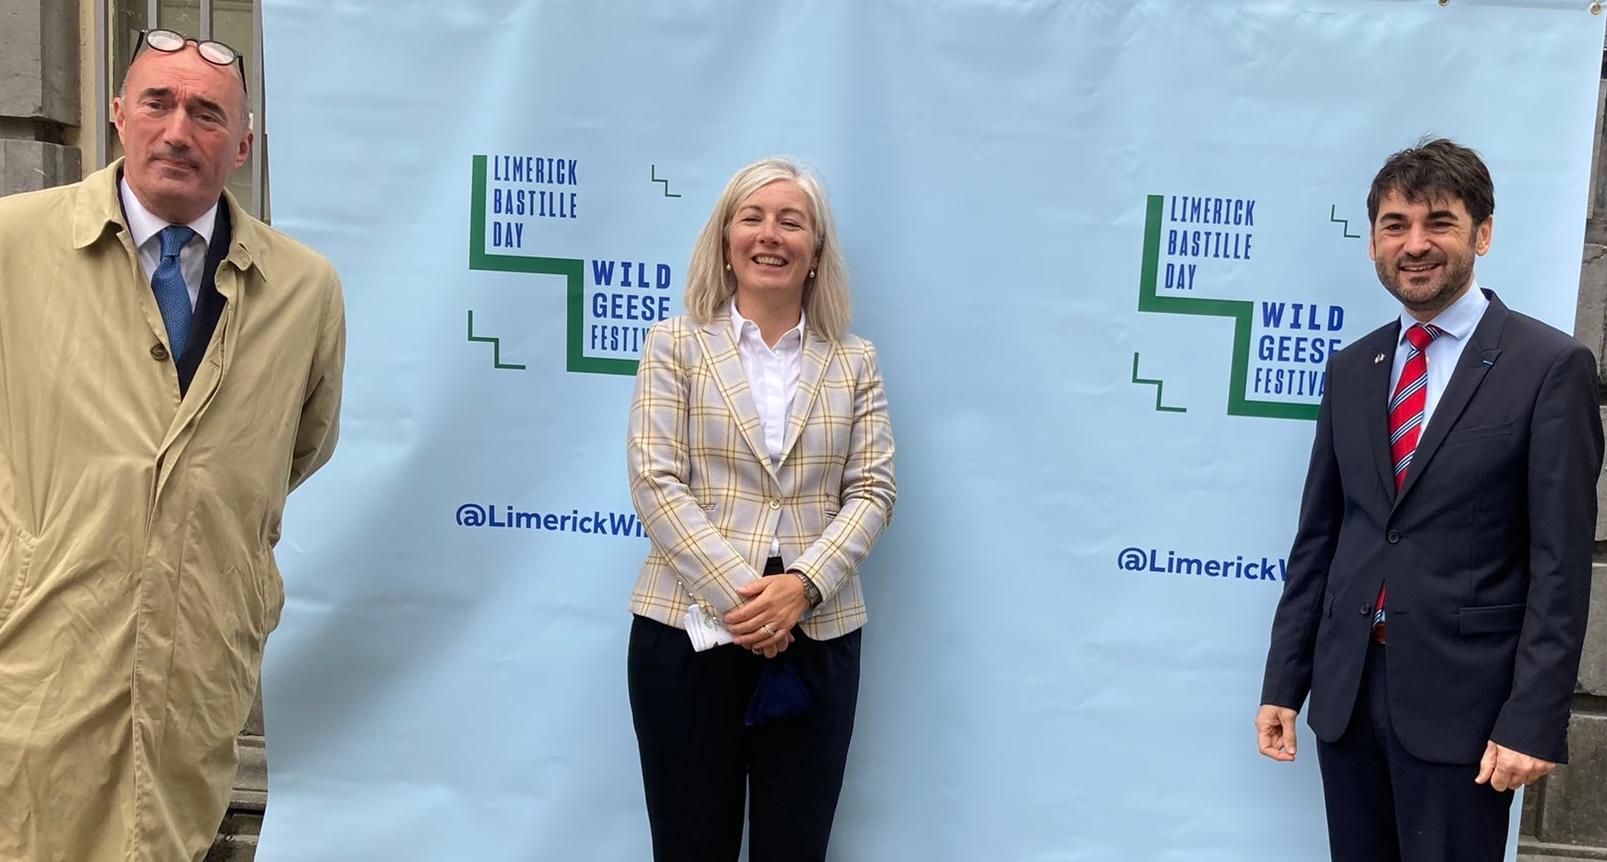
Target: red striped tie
1406	424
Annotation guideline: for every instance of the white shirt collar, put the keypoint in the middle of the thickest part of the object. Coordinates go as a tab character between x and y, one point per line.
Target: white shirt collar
1458	319
143	225
740	325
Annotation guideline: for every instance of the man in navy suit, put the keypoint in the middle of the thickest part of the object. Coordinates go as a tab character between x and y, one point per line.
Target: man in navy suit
1437	587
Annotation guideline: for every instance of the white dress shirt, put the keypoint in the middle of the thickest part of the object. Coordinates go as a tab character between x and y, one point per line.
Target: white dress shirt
773	379
144	227
1457	324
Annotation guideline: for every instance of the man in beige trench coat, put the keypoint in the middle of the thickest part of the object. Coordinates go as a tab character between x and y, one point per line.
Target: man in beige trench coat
146	450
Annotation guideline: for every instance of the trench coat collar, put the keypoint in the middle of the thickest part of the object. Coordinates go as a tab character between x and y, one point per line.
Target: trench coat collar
99	208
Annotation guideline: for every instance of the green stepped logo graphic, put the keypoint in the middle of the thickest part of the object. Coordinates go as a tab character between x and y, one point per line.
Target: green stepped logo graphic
572	270
496	347
1241	312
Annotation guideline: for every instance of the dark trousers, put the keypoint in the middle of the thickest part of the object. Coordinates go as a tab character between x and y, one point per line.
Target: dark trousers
1384	805
699	758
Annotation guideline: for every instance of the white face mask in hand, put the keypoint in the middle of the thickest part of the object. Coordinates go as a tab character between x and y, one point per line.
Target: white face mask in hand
705	631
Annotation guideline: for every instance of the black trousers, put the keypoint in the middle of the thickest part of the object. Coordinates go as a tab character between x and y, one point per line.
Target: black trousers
700	760
1384	805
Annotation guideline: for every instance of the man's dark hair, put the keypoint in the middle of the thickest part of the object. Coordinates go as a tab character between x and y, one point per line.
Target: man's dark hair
1431	169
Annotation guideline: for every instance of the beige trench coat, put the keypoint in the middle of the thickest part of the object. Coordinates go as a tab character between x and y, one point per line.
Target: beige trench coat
137	577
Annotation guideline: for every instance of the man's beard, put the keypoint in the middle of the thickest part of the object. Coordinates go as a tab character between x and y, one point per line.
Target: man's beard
1456	274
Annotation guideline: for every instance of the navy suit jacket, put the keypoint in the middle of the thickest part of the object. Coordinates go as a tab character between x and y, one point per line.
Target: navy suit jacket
209	303
1486	549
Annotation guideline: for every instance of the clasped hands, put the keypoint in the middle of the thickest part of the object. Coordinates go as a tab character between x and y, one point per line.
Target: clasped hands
763	623
1502	768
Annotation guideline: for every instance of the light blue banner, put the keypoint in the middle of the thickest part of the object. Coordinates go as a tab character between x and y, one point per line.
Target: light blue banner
1103	248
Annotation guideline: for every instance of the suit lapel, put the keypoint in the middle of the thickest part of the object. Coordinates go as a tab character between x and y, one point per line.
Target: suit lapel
209	304
720	347
816	359
1375	398
1477	358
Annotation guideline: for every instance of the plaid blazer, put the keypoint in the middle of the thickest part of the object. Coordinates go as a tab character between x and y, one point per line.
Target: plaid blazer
706	491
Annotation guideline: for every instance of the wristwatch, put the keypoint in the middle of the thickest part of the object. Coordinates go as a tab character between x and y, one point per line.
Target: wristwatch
811	592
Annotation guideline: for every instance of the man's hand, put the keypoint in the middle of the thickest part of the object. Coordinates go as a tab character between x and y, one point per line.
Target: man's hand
1505	769
774	605
1275	732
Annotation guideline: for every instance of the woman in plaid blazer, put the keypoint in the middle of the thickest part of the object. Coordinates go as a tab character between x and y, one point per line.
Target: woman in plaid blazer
761	464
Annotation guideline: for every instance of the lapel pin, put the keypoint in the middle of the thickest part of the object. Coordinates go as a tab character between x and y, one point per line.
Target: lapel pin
1490	362
1378	359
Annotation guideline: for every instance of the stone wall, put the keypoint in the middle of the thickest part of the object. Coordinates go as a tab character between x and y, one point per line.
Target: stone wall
1565	816
39	94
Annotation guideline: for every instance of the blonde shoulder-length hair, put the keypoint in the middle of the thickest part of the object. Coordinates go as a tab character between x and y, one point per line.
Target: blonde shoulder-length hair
709	286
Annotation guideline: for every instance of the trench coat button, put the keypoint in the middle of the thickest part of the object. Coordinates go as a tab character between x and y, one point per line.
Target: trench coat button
1366	609
1392	537
158	352
775	502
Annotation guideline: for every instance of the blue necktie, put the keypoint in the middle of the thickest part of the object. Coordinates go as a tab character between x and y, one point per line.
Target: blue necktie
172	296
